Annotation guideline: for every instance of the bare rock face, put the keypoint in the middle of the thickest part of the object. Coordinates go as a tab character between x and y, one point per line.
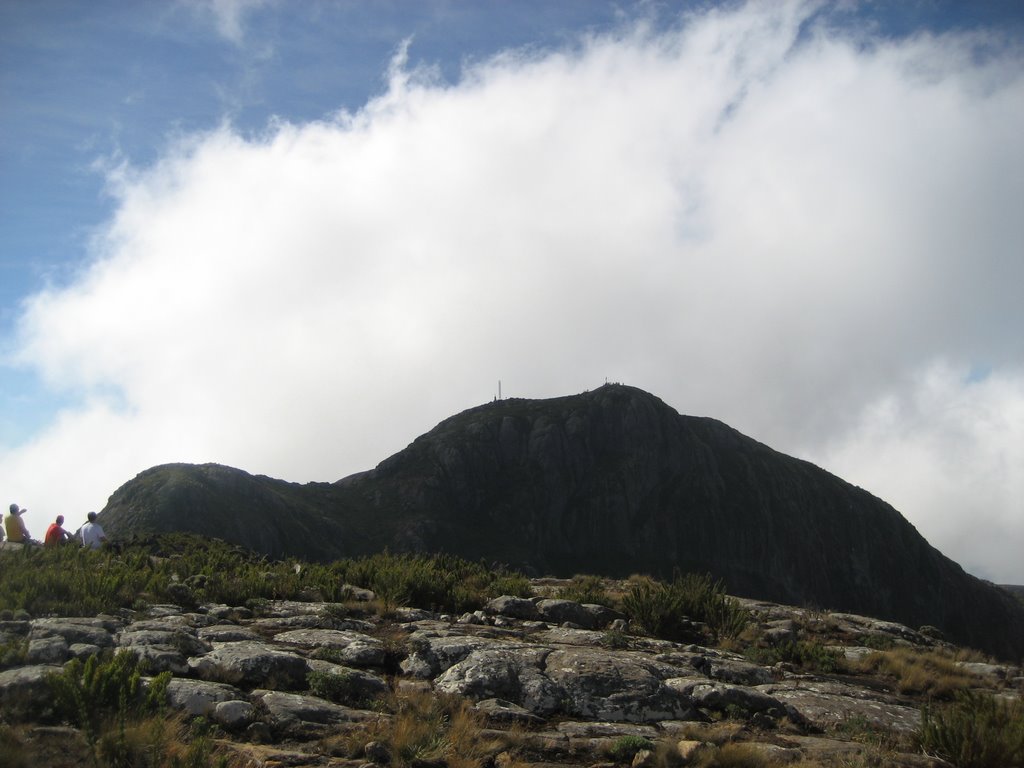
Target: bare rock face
249	663
609	482
566	695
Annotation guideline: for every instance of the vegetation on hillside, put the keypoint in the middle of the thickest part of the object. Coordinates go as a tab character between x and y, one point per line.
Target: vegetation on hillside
189	570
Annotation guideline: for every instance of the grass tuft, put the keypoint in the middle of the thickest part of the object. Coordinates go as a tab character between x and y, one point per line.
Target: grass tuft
976	731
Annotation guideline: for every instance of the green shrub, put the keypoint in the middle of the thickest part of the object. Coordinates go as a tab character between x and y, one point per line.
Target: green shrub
808	655
336	687
185	568
664	610
586	589
93	694
976	731
613	639
13	652
625	748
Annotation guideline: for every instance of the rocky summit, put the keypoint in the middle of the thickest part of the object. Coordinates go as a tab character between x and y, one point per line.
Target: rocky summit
609	482
301	683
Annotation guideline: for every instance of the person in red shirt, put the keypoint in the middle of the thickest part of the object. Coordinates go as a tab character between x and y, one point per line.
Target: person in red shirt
56	534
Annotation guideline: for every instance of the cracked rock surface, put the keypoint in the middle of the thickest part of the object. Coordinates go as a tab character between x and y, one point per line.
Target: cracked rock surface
568	688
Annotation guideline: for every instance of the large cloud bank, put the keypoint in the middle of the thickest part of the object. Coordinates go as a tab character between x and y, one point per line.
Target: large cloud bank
813	236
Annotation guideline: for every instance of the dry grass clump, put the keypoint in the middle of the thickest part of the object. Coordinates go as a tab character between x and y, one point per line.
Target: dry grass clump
730	755
154	741
722	745
160	741
733	755
932	673
424	727
713	733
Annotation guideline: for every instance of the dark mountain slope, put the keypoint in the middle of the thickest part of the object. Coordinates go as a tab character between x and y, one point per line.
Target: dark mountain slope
613	482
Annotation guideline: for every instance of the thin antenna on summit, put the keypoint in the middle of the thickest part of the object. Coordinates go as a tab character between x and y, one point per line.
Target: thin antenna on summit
499	389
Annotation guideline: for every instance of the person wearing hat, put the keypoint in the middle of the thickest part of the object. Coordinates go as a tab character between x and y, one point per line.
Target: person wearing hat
15	526
55	534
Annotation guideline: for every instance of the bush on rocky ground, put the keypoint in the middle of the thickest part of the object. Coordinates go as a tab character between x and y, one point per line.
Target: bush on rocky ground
976	731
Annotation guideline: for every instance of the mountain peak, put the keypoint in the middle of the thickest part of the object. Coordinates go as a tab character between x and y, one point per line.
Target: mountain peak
611	481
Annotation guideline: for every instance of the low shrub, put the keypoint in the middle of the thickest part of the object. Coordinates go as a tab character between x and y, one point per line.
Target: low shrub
188	569
666	609
122	720
338	687
86	694
614	640
624	748
587	589
976	731
13	652
806	654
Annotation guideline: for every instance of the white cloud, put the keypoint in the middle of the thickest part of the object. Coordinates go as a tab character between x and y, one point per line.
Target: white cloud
228	15
779	228
948	450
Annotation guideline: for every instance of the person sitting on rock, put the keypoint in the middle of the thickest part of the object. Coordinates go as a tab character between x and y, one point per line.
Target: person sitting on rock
17	531
92	533
55	534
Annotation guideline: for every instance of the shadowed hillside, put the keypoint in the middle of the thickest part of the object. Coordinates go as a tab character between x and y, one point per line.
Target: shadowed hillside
612	482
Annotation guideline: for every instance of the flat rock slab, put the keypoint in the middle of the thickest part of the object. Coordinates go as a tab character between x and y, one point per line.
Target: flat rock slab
251	664
510	713
92	631
597	730
24	691
234	715
569	636
828	704
624	686
562	611
47	650
515	607
200	697
358	683
733	670
723	697
168	623
227	633
182	640
160	658
290	708
509	673
348	647
434	652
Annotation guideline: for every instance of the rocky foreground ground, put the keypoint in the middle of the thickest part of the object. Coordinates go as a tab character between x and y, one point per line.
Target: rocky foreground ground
555	682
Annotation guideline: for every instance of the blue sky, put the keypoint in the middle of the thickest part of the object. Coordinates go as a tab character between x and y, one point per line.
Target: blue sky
796	217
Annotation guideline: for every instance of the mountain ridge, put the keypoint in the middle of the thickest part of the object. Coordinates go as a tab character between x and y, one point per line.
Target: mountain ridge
611	481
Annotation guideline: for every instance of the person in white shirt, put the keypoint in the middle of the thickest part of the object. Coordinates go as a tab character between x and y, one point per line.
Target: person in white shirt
92	533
